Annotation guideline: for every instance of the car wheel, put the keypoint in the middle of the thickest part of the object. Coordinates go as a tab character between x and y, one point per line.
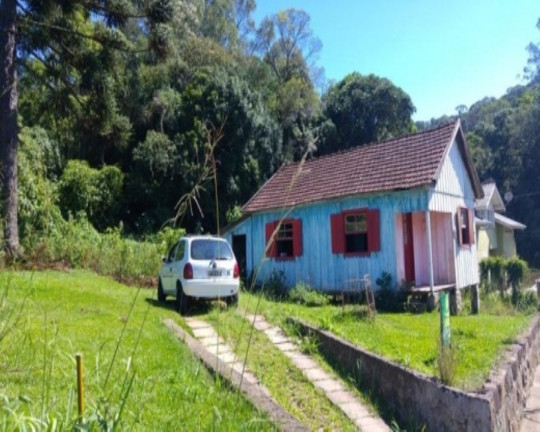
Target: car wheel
161	296
232	300
182	300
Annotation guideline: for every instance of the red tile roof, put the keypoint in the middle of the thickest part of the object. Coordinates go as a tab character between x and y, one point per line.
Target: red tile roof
401	163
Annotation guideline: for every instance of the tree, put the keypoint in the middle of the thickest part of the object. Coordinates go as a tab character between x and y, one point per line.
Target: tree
75	42
365	109
287	45
8	125
532	70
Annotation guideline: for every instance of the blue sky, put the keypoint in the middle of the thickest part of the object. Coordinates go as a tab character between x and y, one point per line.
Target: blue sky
442	53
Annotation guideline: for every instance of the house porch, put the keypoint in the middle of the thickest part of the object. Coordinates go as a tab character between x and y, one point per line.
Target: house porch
424	243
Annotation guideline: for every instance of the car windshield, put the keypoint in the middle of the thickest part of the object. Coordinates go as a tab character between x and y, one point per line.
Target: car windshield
210	249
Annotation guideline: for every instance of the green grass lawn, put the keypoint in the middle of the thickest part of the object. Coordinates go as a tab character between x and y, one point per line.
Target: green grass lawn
65	313
410	339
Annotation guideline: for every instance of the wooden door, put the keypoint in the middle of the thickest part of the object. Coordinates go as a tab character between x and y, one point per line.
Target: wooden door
408	247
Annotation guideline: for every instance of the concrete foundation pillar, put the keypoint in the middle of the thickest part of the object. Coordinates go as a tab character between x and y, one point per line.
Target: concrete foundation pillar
432	301
455	301
475	299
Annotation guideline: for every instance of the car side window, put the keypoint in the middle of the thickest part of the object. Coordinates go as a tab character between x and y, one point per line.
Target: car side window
170	256
180	251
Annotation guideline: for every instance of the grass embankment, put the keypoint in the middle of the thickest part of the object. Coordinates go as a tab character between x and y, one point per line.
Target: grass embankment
411	339
283	379
67	313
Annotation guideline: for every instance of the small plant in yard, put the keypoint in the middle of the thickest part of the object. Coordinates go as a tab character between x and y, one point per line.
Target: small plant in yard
304	294
309	344
447	362
386	297
274	287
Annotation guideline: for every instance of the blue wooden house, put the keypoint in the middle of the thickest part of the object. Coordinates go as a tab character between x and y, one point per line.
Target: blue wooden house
404	206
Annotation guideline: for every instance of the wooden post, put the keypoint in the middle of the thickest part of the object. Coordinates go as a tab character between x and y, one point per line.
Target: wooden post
475	299
432	301
80	385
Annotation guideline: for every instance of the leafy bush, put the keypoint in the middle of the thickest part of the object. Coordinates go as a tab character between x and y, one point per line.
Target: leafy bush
274	286
78	244
37	210
492	274
516	269
386	296
96	192
304	294
497	271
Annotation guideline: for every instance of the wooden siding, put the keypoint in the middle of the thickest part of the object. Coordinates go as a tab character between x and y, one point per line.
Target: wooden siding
454	189
318	266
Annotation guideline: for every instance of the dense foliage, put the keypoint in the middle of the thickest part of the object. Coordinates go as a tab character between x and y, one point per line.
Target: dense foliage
125	108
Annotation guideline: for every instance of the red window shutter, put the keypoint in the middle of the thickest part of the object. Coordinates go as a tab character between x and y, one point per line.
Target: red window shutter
458	225
270	250
338	233
471	225
297	237
374	230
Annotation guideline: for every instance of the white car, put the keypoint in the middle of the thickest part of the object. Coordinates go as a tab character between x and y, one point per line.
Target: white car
199	267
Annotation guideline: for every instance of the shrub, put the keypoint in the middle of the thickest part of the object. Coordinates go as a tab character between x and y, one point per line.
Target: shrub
492	274
96	192
274	286
386	296
304	294
516	269
447	361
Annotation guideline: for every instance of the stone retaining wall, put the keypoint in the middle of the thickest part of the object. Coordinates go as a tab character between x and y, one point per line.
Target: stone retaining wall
414	398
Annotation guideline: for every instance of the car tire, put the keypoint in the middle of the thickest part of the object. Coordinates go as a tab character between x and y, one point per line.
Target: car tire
182	300
232	300
161	296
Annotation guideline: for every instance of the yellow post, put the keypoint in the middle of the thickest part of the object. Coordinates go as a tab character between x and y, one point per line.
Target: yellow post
80	386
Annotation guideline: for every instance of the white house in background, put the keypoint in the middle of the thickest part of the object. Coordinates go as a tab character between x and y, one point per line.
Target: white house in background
495	232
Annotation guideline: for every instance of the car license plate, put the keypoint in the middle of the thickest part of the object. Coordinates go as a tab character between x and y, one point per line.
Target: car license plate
214	273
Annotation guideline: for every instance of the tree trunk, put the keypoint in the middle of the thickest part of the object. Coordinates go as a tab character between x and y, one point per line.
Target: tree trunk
8	125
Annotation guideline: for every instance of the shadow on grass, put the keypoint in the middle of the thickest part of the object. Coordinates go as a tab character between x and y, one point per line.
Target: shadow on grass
197	307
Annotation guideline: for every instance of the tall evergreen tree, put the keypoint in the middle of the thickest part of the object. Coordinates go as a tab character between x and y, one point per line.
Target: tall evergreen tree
75	42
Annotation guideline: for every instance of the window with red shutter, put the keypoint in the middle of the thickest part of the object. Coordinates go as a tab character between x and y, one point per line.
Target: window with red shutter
270	243
338	236
374	228
465	228
287	242
355	231
297	237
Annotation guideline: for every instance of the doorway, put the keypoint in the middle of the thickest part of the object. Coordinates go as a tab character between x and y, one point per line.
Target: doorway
239	249
408	247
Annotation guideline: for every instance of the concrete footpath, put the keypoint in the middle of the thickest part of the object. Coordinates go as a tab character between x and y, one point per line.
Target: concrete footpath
334	390
531	416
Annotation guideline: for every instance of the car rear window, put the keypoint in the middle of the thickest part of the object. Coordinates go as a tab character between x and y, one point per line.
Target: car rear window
208	249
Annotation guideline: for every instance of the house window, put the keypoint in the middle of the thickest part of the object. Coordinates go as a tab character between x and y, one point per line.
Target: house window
355	232
284	238
465	229
356	235
284	241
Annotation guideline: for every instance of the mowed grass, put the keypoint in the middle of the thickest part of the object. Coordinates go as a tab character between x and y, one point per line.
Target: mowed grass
410	339
65	313
283	379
